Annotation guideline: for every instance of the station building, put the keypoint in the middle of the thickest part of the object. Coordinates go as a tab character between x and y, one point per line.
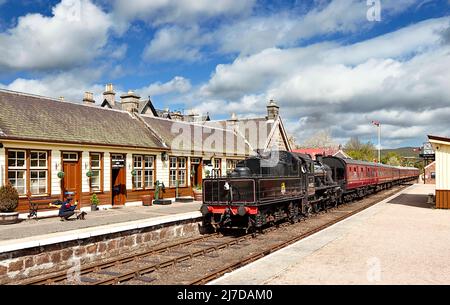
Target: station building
118	150
430	173
441	146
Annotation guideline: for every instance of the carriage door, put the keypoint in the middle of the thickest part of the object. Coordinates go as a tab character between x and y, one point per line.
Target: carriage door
118	179
71	182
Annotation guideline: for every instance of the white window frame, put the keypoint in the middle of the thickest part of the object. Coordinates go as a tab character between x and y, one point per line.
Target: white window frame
97	169
70	156
149	172
177	169
143	172
16	169
137	167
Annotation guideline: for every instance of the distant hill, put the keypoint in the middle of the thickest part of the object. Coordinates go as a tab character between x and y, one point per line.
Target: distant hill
402	151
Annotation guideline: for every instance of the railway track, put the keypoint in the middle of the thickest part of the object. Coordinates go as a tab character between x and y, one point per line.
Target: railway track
231	267
194	261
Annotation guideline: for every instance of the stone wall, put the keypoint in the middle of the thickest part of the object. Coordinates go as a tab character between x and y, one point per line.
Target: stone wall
26	263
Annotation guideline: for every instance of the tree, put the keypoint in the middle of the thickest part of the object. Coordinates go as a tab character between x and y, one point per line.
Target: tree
321	139
292	141
392	158
360	151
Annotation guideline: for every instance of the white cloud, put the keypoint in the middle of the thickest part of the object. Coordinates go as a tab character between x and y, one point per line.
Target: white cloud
286	29
175	43
157	12
74	35
176	85
71	85
346	86
119	52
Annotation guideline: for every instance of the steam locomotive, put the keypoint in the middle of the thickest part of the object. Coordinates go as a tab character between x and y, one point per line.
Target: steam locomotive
280	185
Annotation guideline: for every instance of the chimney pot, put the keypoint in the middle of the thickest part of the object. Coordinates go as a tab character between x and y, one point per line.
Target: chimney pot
177	116
88	98
109	95
109	88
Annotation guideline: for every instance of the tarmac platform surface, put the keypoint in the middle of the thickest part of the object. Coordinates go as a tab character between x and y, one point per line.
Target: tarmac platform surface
401	240
29	233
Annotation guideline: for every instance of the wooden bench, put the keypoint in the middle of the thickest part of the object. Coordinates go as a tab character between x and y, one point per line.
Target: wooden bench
39	203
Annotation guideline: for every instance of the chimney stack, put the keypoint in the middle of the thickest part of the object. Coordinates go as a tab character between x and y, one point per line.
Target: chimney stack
177	116
88	98
233	121
130	101
61	98
109	94
272	110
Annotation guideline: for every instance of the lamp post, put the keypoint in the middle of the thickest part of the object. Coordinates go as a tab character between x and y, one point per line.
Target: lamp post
378	124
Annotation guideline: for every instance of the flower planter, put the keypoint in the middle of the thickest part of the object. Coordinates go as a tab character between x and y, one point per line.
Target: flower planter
9	218
147	200
94	208
198	195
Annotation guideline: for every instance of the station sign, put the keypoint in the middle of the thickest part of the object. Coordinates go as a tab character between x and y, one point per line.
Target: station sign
427	151
118	162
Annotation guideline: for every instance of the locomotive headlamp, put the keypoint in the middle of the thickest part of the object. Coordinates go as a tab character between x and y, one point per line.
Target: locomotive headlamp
242	211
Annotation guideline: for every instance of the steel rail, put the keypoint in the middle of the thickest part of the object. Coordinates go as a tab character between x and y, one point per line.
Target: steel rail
62	275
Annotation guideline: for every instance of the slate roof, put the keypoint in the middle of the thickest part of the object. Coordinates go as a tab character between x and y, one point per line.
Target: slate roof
31	117
262	126
181	135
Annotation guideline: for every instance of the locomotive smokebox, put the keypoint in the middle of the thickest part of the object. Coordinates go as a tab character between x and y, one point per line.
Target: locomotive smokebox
319	158
241	172
204	209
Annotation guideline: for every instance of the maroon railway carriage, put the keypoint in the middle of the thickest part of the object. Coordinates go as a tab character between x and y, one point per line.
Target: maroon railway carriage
359	178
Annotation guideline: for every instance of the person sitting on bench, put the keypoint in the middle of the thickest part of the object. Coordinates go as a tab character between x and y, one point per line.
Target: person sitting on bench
66	209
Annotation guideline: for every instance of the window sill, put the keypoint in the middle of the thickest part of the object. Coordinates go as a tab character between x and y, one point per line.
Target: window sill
35	196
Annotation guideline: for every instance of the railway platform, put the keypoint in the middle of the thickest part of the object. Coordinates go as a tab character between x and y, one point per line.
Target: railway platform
31	233
401	240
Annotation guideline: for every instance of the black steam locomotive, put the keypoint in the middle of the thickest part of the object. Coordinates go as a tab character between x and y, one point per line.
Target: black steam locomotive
266	189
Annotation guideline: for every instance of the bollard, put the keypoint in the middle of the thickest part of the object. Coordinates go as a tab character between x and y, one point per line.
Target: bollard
430	199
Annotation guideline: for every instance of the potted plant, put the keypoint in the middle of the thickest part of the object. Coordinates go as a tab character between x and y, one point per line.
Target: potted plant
94	202
9	200
198	194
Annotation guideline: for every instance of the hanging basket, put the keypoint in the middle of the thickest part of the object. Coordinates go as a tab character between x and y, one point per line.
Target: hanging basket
133	172
89	174
61	175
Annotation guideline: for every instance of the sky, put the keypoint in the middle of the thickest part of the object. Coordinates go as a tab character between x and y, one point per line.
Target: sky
329	64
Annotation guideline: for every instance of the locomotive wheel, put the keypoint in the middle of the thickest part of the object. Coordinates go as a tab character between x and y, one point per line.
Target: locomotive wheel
308	210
